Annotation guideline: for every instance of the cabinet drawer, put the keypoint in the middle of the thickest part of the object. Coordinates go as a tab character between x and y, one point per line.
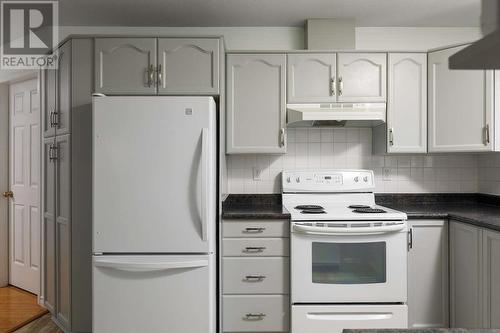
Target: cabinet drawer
256	247
257	228
255	275
263	313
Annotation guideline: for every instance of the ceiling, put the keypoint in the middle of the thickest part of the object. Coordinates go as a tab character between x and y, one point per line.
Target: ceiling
219	13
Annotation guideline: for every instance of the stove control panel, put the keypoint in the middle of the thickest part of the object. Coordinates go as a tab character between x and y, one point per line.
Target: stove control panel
328	181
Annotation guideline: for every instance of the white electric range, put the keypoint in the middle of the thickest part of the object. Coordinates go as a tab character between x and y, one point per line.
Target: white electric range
348	255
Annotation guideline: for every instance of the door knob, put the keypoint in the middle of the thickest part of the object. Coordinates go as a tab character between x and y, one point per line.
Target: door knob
8	194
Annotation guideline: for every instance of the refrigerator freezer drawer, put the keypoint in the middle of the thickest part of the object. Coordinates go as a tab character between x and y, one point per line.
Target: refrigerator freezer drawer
155	293
334	318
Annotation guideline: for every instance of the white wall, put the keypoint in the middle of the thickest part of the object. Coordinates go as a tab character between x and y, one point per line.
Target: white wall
352	148
402	38
489	173
292	38
236	38
4	183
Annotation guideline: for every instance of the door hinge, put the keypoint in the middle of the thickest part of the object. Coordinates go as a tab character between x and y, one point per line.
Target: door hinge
391	137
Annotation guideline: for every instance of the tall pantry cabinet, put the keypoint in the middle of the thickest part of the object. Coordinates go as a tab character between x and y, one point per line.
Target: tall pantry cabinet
66	190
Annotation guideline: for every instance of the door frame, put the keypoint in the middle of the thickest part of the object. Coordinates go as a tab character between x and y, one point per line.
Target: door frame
26	77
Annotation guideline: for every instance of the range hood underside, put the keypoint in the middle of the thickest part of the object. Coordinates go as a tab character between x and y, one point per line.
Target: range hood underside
317	115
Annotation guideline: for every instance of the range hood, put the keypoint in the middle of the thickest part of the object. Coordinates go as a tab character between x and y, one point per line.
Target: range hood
336	115
485	53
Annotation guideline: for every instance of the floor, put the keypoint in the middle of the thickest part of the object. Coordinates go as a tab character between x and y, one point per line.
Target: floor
43	324
17	307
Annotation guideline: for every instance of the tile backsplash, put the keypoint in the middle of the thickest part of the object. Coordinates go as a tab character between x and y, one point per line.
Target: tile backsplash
489	173
351	148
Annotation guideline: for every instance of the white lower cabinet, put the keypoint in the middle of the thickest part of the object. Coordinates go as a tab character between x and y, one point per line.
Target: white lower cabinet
428	274
475	276
465	266
255	276
255	313
491	279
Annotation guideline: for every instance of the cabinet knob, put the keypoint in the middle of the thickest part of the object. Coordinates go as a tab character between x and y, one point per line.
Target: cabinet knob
8	194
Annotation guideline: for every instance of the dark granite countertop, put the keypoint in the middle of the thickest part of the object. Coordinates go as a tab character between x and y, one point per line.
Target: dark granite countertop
477	209
422	330
254	206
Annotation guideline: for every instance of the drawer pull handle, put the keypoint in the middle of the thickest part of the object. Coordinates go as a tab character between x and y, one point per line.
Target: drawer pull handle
255	316
255	278
254	249
254	230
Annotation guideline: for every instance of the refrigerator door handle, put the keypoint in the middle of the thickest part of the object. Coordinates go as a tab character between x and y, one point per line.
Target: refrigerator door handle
137	266
205	137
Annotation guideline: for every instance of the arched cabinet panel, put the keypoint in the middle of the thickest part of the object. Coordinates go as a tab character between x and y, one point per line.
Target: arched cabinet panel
125	66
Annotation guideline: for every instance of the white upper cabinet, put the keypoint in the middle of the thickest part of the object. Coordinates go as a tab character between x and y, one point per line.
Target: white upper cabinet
361	77
125	66
461	104
188	66
311	78
407	103
256	103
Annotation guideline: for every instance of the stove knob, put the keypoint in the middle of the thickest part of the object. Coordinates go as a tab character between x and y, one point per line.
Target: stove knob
298	179
356	179
365	178
288	179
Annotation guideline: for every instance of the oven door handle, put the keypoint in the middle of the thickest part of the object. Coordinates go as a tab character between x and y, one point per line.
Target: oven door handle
305	229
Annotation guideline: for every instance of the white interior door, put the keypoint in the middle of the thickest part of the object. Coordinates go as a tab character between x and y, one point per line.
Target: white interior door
24	179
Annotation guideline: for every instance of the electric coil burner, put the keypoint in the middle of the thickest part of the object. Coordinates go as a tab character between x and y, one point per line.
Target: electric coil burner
369	210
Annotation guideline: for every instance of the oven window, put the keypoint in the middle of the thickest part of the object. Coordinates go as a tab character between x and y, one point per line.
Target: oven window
348	263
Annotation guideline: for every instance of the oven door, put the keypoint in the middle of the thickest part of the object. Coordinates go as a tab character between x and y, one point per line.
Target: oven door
348	265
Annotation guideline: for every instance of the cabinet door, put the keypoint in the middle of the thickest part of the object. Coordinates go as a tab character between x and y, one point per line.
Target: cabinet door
460	106
311	78
491	279
63	90
123	66
63	226
49	227
49	101
407	104
256	103
428	274
188	66
465	257
361	77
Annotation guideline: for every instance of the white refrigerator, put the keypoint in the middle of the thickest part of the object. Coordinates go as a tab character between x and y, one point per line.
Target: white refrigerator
154	202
